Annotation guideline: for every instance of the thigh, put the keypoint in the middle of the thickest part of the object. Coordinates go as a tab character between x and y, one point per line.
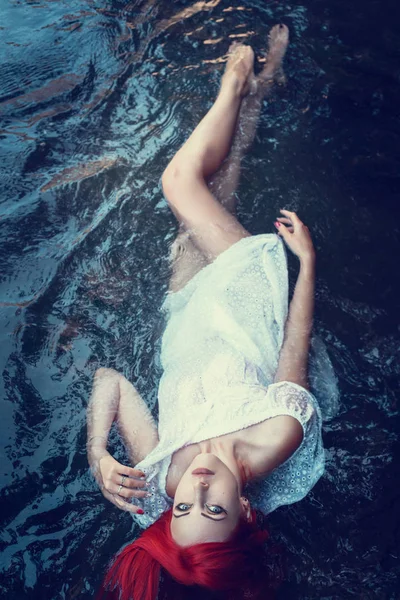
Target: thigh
213	229
186	260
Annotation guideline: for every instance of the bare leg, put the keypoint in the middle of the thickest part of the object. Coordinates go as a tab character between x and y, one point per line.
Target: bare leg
209	144
186	257
201	156
186	260
212	228
224	183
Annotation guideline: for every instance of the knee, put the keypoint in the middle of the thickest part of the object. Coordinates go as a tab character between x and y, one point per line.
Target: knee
180	176
105	373
171	179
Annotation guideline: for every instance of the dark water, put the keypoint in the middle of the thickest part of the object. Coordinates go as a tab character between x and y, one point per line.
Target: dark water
95	98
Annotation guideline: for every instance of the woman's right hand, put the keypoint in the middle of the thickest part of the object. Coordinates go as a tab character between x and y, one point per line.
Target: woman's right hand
110	475
296	235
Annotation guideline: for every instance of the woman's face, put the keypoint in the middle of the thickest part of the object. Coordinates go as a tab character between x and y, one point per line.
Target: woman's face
206	507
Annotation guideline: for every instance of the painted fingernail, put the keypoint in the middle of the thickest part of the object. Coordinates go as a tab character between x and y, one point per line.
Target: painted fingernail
140	511
277	224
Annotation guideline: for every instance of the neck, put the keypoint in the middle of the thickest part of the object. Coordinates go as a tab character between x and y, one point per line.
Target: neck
228	452
224	447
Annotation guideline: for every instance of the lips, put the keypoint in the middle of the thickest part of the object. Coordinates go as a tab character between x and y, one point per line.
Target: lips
202	471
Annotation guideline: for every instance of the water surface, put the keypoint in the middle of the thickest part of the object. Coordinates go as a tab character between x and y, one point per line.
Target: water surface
95	97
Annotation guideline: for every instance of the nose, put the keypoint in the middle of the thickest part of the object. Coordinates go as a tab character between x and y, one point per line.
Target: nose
200	487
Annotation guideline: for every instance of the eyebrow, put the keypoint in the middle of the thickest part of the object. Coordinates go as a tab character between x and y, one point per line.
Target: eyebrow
202	514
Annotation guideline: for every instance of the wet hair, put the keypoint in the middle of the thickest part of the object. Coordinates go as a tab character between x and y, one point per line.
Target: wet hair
233	566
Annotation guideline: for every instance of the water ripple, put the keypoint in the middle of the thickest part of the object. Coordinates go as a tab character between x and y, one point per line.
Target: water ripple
94	101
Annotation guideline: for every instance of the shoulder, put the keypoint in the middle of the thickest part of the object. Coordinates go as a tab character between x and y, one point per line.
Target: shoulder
294	415
272	442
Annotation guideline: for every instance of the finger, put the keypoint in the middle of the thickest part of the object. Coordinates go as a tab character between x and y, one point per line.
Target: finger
287	212
130	472
292	215
127	493
287	222
129	482
283	231
140	494
121	504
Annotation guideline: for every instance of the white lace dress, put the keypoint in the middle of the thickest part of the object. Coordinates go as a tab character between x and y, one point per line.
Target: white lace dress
219	354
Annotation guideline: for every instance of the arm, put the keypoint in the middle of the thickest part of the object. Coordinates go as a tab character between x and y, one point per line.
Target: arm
113	397
293	358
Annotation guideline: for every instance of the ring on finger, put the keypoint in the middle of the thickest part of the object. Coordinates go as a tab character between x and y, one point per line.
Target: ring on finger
120	488
123	479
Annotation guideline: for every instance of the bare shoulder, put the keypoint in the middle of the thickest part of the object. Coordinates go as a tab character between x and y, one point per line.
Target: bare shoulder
272	442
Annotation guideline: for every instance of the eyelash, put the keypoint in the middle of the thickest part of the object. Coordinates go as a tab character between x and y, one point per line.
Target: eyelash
207	506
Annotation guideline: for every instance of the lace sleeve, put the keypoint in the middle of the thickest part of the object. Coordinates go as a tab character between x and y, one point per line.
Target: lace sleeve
295	401
292	480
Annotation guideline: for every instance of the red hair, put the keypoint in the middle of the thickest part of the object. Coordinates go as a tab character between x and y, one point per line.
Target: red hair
233	565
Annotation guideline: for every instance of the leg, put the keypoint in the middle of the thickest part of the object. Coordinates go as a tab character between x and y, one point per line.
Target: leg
186	260
185	256
212	228
223	183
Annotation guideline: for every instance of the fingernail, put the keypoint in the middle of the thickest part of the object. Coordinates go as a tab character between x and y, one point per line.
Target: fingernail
277	224
140	511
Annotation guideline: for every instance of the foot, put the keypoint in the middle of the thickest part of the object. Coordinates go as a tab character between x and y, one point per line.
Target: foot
239	73
278	41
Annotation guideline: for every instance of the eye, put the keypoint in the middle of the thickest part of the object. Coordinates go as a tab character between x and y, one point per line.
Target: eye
183	507
215	509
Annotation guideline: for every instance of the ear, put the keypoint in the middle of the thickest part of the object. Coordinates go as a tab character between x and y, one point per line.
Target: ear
246	508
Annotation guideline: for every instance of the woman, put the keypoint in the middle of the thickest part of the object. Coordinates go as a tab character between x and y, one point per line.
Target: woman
234	410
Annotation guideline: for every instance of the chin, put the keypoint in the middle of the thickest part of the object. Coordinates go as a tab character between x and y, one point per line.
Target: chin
205	459
212	462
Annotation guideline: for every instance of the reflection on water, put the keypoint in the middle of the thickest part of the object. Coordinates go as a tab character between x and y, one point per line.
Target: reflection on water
95	97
